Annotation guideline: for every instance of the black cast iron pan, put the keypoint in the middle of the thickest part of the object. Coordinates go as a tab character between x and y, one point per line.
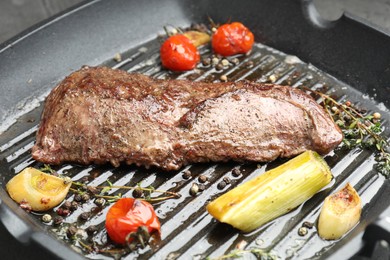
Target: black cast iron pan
348	56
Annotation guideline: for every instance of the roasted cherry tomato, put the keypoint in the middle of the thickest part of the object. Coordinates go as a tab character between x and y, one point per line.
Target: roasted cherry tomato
126	215
230	39
179	54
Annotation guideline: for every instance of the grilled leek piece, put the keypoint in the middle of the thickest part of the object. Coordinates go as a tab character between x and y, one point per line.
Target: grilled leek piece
273	193
36	190
340	213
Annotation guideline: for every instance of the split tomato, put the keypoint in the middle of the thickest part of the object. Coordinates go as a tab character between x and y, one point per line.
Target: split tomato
231	39
127	215
179	54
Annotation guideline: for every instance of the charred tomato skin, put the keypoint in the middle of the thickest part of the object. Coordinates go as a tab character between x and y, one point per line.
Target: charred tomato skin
231	39
179	54
126	215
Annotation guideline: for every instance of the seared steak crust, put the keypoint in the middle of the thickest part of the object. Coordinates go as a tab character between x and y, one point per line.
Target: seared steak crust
99	115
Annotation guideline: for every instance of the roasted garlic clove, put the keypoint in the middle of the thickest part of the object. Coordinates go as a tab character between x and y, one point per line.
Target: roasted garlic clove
36	190
198	38
273	193
340	213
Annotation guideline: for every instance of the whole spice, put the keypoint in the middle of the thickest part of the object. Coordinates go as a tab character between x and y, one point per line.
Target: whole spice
227	180
85	197
100	201
186	174
63	212
236	172
46	218
202	178
77	198
66	205
308	224
84	216
74	205
57	220
302	231
138	193
194	189
202	187
91	230
221	185
71	231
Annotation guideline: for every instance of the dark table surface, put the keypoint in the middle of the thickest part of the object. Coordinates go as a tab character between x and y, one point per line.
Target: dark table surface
18	15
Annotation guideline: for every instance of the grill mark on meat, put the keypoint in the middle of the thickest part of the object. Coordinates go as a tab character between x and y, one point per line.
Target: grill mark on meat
99	115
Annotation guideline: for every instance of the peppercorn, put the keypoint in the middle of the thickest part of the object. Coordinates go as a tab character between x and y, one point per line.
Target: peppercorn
236	172
194	189
46	218
206	61
77	197
201	187
100	201
63	212
221	185
376	115
57	220
347	118
214	61
74	206
224	62
138	193
235	61
71	232
272	78
227	180
91	229
219	66
308	224
96	209
186	174
85	197
302	231
84	216
66	205
202	178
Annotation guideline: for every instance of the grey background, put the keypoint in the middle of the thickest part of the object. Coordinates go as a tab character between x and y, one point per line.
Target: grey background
18	15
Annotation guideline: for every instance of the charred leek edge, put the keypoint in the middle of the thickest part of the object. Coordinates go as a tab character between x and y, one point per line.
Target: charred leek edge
37	190
340	213
273	193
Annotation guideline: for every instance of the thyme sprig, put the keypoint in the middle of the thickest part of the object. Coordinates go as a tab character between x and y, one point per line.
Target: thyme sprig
147	192
359	130
238	253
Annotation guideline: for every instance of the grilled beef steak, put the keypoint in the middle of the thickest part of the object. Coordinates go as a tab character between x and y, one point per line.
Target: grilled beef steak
99	115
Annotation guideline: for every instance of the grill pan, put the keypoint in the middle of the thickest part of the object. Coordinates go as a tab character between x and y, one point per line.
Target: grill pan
348	58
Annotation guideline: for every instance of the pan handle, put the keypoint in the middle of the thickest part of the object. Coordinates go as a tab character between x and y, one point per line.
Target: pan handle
311	13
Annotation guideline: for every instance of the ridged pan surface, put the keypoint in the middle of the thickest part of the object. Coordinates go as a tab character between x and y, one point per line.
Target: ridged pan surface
188	231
